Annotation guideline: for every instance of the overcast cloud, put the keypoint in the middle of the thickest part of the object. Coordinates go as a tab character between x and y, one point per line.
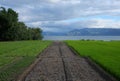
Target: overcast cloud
59	15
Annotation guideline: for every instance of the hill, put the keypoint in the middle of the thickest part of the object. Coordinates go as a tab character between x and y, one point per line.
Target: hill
86	32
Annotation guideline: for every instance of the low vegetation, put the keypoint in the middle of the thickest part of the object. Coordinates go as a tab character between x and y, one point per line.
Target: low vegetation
16	56
105	53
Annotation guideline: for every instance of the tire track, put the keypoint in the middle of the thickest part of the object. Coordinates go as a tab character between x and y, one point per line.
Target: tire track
63	63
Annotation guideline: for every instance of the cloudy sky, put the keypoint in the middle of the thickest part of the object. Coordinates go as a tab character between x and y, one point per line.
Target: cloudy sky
66	15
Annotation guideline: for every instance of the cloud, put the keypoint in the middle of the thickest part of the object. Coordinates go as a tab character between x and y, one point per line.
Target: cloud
57	15
63	9
104	23
65	26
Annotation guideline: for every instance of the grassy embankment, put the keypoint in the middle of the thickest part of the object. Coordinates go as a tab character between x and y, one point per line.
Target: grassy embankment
16	56
107	54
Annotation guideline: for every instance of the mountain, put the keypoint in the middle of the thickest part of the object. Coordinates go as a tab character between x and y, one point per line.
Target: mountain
86	32
95	32
54	33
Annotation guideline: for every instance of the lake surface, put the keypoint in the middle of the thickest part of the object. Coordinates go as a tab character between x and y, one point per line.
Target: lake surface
106	38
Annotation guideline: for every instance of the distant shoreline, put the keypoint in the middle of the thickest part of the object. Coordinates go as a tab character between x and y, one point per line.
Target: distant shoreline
105	38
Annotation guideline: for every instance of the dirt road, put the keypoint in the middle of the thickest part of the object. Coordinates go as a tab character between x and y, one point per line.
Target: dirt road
59	63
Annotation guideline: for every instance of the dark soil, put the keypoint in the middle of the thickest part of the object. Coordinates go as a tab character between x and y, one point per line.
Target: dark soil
59	63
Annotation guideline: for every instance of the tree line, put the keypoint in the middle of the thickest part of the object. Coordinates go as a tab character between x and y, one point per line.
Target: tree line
11	29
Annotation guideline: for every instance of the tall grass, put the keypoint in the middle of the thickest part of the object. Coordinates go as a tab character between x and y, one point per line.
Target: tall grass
105	53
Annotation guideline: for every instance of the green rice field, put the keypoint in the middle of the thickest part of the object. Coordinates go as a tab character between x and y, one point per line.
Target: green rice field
105	53
17	56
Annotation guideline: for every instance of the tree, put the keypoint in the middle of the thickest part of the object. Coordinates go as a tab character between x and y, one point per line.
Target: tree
3	22
8	21
35	33
12	29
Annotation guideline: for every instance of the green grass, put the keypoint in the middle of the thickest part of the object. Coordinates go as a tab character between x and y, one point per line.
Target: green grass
17	56
105	53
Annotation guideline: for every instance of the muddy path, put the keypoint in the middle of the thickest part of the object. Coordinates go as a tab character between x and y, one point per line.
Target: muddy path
59	63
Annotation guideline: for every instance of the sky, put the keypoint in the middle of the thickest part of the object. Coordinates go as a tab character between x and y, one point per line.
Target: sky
66	15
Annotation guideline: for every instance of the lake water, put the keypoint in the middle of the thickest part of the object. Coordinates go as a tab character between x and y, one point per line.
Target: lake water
106	38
